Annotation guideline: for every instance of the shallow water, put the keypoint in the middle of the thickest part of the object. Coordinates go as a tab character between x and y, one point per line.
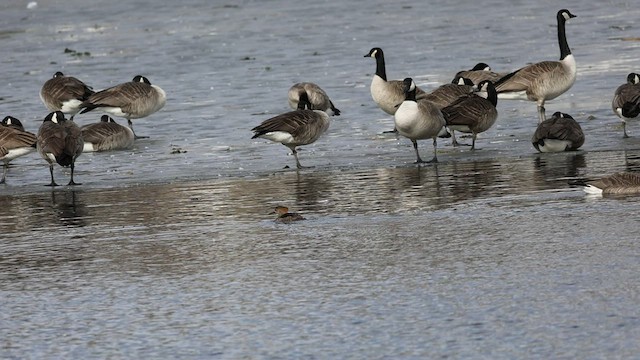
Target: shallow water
169	250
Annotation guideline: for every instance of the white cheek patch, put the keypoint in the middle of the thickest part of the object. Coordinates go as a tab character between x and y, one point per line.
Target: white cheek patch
373	54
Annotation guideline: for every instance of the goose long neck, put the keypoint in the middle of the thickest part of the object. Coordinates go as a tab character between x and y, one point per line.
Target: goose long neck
380	68
562	38
492	96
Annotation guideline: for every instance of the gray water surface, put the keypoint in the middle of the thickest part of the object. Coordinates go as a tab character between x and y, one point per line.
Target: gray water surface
169	250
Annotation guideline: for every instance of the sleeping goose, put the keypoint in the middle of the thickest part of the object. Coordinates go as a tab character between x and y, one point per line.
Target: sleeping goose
131	100
387	93
418	119
14	142
318	98
106	135
558	133
480	72
545	80
294	128
59	141
474	113
64	93
620	183
626	100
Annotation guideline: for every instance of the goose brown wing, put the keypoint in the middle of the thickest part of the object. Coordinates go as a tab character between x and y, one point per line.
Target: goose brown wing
124	96
292	122
467	110
51	139
97	132
11	138
522	79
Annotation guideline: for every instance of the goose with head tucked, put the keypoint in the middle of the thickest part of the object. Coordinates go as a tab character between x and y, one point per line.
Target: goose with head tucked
106	135
14	142
561	132
418	120
474	113
387	94
64	93
544	80
135	99
294	128
626	101
318	98
480	72
624	183
59	141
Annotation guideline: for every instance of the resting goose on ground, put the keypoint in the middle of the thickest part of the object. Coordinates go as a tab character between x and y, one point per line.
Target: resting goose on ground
626	101
387	93
620	183
59	141
474	113
418	119
14	142
545	80
64	93
106	135
318	98
131	100
294	128
558	133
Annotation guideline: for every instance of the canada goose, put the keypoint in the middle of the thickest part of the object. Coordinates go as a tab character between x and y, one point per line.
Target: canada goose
318	98
64	93
387	93
14	142
106	135
558	133
418	119
284	216
480	72
620	183
59	141
545	80
446	94
294	128
626	100
474	113
131	100
10	121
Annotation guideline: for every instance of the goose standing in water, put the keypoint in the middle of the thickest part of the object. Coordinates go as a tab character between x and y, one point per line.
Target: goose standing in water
59	141
106	135
64	93
387	94
14	142
558	133
626	101
620	183
418	119
294	128
545	80
474	113
318	98
131	100
480	72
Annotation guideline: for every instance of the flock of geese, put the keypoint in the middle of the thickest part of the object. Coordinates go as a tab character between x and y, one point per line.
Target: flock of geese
467	105
59	140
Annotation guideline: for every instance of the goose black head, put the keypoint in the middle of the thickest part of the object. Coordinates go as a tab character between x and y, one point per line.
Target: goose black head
106	119
142	79
633	79
58	74
459	80
561	115
303	102
10	121
56	117
565	15
374	53
481	66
